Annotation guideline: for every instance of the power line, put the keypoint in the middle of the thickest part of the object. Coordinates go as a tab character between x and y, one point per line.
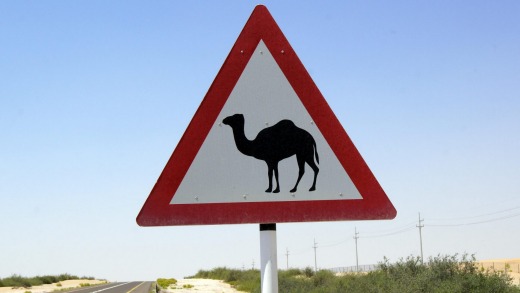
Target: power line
301	252
391	233
386	231
477	216
474	223
335	244
412	225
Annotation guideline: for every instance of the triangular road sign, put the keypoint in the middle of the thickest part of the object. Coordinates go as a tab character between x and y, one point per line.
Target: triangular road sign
261	123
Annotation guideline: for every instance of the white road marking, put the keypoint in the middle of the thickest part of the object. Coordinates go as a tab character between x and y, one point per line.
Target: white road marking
111	287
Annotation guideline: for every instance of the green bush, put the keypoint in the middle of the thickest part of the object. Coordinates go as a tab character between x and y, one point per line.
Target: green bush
243	280
308	272
165	283
19	281
16	281
441	274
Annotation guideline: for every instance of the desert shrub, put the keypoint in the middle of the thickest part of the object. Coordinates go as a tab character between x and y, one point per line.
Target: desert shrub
290	273
441	274
19	281
308	272
16	281
65	277
243	280
47	279
165	283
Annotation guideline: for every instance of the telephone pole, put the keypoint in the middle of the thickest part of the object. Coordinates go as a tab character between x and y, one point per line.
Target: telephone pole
287	255
315	263
356	238
420	226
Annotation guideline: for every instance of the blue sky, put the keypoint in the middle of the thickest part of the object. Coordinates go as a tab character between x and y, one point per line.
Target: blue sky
95	95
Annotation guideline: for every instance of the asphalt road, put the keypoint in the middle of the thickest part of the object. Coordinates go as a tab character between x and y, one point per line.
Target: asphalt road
123	287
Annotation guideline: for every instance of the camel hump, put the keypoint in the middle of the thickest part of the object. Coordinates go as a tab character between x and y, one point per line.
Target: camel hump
284	130
285	124
281	128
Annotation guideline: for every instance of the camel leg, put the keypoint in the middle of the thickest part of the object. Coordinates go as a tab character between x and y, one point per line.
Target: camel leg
270	177
276	177
316	171
301	171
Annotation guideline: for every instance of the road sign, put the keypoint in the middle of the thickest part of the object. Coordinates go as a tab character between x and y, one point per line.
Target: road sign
264	147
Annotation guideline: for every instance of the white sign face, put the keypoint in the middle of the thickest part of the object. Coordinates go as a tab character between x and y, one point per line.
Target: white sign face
220	173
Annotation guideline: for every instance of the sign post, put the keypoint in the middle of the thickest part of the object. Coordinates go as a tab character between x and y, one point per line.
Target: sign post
268	258
243	157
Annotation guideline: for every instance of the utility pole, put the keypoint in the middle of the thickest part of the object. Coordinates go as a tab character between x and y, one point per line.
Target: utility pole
420	226
356	238
315	263
287	255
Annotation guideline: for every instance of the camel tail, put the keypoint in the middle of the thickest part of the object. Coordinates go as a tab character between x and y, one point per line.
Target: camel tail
316	152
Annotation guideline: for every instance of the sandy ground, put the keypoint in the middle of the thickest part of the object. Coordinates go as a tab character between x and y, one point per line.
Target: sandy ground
49	287
202	286
499	265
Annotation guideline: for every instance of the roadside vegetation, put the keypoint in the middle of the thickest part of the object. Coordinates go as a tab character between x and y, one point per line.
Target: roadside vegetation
242	280
441	274
19	281
166	283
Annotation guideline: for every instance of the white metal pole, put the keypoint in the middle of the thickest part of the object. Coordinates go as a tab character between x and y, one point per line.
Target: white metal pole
268	257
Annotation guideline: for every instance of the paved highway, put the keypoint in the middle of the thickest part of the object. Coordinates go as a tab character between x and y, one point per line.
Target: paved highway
123	287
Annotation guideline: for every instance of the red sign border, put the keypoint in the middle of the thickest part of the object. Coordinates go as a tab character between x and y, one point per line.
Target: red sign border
157	210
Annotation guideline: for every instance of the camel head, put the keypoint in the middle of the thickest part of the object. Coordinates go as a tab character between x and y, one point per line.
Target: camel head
236	120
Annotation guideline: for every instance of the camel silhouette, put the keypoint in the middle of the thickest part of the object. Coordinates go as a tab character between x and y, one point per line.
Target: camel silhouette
275	143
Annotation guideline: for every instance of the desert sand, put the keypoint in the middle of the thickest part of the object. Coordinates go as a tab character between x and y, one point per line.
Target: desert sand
199	286
513	265
202	286
50	287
